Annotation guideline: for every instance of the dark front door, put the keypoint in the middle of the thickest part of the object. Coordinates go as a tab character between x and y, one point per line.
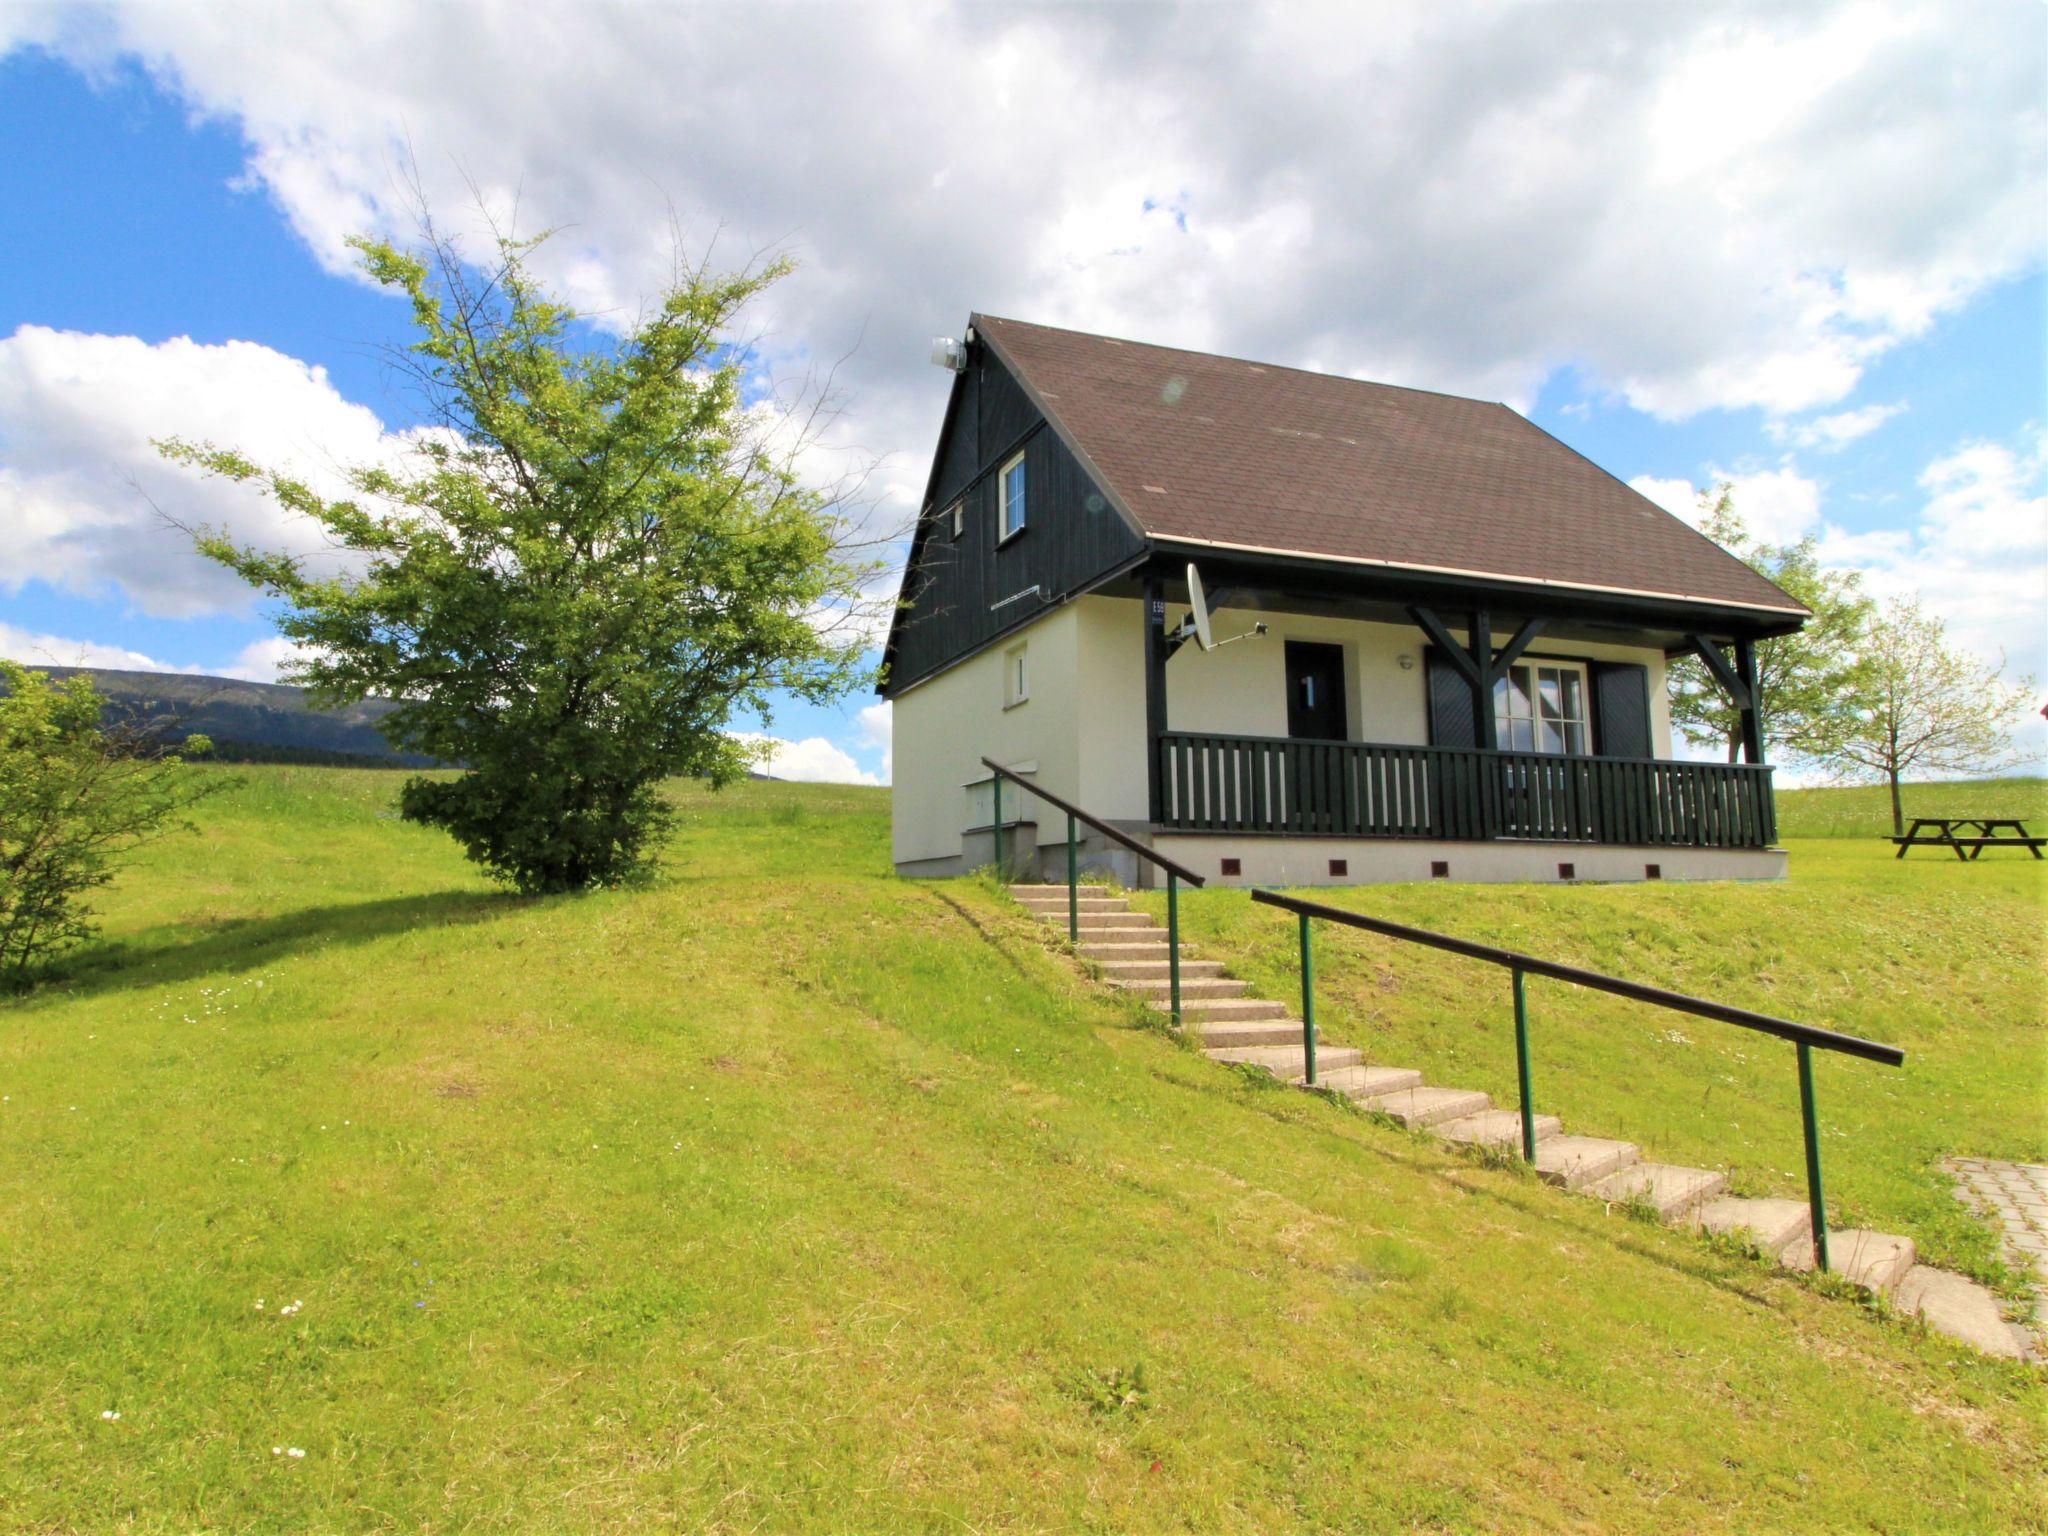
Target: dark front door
1315	691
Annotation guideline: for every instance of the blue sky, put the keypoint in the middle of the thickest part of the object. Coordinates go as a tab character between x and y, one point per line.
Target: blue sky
1858	344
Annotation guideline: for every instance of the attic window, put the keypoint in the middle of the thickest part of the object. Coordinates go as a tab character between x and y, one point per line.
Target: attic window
1011	486
959	517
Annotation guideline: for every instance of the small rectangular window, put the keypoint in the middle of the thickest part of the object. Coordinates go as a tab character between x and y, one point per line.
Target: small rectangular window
1016	678
1010	484
959	516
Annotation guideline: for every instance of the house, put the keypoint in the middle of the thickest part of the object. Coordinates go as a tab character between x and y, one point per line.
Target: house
1439	634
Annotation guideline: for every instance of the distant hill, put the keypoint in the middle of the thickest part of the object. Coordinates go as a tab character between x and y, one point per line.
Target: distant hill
251	722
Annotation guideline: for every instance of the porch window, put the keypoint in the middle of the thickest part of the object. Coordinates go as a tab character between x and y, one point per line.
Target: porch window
1541	707
1011	486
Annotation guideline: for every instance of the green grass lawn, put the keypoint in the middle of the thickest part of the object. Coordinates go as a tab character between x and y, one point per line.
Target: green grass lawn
1866	810
783	1194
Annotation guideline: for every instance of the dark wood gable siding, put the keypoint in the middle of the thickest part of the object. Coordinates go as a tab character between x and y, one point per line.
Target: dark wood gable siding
1072	535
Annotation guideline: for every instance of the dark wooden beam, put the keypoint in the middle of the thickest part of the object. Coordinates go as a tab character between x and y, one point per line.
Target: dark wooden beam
1440	637
1479	637
1156	652
1752	713
1511	653
1716	663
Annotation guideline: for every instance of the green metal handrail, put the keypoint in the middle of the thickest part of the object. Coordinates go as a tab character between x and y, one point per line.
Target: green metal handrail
1804	1036
1076	817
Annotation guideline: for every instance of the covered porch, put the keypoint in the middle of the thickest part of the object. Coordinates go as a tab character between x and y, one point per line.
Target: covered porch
1536	718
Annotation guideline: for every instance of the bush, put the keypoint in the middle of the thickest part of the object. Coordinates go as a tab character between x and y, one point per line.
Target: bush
74	795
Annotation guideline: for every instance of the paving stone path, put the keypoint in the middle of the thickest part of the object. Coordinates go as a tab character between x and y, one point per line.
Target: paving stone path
1129	951
2015	1195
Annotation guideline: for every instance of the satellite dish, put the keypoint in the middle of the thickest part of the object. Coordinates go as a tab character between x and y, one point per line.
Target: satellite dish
1198	601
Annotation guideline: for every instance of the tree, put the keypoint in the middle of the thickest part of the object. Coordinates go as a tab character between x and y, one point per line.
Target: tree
1925	706
1805	680
73	796
592	558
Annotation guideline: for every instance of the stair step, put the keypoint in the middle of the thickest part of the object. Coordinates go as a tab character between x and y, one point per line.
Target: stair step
1228	1032
1574	1161
1364	1082
1496	1128
1226	1007
1023	891
1056	906
1962	1309
1284	1061
1772	1225
1113	919
1116	948
1670	1189
1191	987
1877	1261
1422	1106
1156	970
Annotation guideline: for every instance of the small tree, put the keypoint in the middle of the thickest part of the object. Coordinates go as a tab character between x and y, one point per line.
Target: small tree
1805	681
73	796
595	557
1925	706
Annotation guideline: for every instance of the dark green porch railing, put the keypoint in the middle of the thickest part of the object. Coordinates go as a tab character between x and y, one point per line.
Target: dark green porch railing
1215	783
1176	871
1806	1037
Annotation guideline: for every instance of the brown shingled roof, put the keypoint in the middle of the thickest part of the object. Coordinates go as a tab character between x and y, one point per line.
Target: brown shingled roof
1252	456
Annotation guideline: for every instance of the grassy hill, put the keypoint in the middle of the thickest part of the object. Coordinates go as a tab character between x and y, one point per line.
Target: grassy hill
1866	809
785	1194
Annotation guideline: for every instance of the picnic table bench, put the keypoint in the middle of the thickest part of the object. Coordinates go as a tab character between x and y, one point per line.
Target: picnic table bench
1971	833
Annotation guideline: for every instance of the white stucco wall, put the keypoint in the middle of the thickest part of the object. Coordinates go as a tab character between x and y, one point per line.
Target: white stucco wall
944	727
1085	723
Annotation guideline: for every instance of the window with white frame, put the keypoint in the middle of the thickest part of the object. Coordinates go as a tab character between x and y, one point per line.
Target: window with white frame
1010	486
959	518
1016	678
1540	706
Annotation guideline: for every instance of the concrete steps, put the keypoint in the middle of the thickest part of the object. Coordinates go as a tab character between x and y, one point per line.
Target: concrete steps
1497	1128
1576	1161
1669	1190
1421	1107
1191	987
1224	1007
1130	951
1284	1061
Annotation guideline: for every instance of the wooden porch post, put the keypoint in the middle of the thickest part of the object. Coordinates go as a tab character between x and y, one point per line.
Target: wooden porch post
1752	712
1479	640
1155	699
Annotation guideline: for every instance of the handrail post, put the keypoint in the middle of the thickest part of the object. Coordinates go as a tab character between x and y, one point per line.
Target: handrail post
1173	941
1073	884
1308	1003
1522	1065
1816	1202
995	829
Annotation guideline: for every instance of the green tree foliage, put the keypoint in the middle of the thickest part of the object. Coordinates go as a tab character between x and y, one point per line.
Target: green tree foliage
596	555
73	797
1805	681
1926	707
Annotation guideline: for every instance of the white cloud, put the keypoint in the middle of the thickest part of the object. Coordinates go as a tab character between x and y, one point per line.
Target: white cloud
814	760
878	731
78	475
260	661
1838	430
1978	555
1778	505
1697	206
38	650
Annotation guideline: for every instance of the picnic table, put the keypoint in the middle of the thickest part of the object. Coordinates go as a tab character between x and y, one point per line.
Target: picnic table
1968	836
